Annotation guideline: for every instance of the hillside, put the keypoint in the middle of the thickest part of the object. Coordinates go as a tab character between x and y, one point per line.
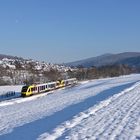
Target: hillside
130	58
9	57
16	70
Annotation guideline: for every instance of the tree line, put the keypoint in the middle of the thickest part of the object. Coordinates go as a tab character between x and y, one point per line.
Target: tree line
30	75
102	72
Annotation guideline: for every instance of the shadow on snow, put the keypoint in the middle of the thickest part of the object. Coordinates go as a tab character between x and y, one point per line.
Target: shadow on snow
34	129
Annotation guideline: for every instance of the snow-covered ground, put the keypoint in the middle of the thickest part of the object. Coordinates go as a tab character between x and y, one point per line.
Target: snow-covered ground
99	109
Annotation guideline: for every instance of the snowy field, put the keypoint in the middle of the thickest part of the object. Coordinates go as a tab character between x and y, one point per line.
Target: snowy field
106	109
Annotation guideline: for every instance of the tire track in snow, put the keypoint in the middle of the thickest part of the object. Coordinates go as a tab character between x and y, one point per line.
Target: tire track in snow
131	116
115	126
111	128
111	119
100	122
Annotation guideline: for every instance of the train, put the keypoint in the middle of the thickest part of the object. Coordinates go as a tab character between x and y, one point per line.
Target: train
33	89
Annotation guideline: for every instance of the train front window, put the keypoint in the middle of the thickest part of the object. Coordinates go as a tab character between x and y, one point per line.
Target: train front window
24	89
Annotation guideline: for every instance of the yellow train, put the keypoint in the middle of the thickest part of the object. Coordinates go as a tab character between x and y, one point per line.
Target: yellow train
40	88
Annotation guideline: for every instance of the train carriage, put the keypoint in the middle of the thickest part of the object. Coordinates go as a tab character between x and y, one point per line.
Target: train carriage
40	88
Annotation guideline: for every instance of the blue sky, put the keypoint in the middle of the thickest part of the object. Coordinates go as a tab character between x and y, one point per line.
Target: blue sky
67	30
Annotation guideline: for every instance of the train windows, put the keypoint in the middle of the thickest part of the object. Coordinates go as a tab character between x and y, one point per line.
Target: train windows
58	83
42	87
32	89
67	82
52	86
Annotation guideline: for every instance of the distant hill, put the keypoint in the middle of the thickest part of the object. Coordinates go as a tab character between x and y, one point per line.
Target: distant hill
7	56
129	58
